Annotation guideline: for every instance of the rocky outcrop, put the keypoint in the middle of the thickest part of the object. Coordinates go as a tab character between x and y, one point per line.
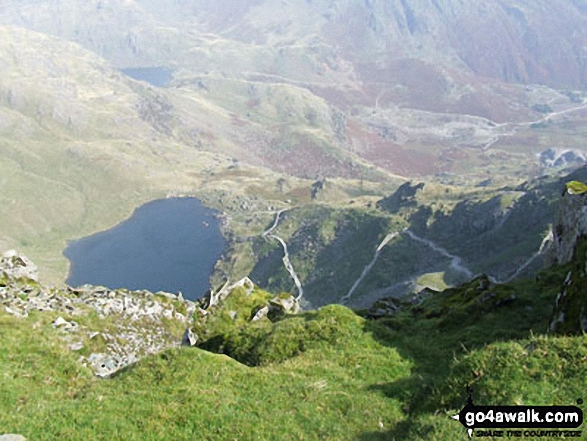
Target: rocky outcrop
112	329
17	266
404	196
124	325
189	338
570	223
236	305
386	307
569	246
213	298
19	298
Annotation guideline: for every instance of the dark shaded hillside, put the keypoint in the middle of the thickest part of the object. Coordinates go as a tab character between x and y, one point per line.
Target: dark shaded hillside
498	232
495	236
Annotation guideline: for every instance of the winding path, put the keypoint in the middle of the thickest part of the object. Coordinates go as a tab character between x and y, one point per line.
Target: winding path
286	261
456	261
513	126
367	269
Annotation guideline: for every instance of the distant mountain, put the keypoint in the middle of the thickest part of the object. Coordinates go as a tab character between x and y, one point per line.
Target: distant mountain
412	88
522	41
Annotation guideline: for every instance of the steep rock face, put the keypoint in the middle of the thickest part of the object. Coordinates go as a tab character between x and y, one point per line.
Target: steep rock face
569	225
570	246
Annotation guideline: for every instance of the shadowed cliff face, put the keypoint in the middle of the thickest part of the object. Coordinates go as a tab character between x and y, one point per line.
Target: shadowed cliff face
570	247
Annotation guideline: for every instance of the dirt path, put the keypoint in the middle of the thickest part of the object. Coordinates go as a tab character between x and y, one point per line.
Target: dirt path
510	128
367	269
286	261
456	262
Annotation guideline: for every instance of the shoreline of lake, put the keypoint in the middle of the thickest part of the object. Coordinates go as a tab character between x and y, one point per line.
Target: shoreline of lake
167	244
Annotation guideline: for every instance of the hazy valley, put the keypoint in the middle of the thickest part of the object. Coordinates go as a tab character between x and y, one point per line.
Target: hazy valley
251	117
404	157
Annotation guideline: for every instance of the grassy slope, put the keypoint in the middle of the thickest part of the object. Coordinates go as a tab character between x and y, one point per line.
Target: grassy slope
186	393
327	374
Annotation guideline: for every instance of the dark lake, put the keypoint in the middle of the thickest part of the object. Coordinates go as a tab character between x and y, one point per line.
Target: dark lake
156	76
166	245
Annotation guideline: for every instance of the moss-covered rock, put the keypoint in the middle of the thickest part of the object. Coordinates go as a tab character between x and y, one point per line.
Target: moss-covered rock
466	302
570	313
263	342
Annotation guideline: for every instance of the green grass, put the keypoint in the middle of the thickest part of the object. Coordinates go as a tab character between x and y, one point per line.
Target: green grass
324	374
329	391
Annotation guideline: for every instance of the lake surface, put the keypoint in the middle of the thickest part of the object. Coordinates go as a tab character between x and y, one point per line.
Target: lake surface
156	76
166	245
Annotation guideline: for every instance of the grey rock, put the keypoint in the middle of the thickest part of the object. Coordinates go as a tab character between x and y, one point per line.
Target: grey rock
61	323
570	231
570	224
289	305
18	266
189	338
16	313
104	364
167	295
213	298
78	346
12	437
139	314
279	306
261	313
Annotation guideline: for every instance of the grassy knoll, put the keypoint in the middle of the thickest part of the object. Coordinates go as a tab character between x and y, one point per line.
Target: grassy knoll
325	374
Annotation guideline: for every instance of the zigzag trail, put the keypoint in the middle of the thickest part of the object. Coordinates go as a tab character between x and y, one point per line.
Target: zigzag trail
456	262
286	261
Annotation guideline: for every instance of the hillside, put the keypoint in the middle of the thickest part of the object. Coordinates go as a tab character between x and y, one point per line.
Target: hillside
353	90
389	178
90	146
514	40
421	235
329	373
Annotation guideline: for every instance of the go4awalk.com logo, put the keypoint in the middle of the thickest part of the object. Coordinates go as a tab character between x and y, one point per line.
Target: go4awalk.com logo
521	421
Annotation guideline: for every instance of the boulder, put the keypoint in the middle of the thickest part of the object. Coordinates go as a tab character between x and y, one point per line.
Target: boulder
189	338
260	313
61	323
104	365
18	266
281	305
78	346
